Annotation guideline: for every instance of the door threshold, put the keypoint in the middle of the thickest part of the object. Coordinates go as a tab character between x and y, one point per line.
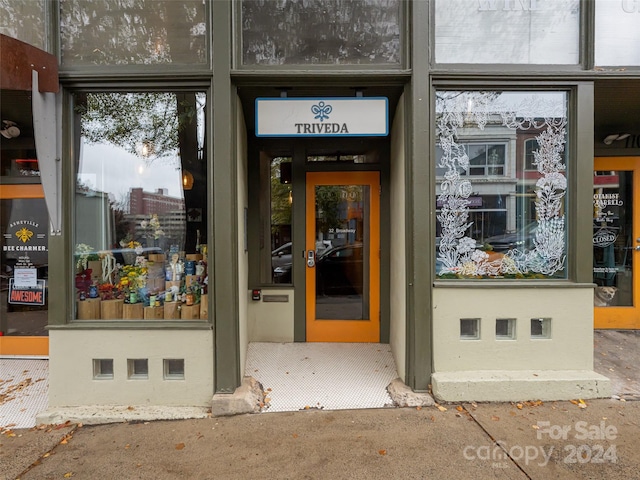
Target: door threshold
324	376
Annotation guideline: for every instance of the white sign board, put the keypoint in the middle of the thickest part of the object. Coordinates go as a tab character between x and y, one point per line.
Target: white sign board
25	277
322	117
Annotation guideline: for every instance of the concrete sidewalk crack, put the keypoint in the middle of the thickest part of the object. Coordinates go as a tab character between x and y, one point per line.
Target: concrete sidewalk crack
496	442
67	435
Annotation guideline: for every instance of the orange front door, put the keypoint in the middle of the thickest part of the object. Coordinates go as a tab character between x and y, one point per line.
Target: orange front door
343	257
616	242
23	247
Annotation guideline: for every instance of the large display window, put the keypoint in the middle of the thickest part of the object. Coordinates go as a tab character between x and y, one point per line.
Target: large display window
501	198
140	206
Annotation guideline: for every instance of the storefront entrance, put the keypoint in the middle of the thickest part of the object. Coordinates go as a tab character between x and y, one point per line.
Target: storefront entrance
26	74
342	255
616	242
24	261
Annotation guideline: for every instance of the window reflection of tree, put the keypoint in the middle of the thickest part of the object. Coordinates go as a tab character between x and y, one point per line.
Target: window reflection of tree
115	32
155	127
24	20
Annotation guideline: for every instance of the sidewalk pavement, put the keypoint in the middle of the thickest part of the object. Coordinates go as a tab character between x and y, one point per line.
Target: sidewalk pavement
551	440
596	439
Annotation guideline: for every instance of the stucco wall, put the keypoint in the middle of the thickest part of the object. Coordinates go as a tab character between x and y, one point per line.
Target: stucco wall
271	321
398	305
71	376
569	348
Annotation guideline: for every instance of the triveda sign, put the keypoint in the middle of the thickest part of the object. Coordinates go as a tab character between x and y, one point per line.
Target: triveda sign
322	117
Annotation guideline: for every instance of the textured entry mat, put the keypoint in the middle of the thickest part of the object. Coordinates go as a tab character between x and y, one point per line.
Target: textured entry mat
331	376
24	386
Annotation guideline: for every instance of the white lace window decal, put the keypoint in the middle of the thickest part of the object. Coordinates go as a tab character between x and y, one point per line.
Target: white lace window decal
463	117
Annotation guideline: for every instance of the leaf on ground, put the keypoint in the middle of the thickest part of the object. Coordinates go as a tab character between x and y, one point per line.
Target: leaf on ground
519	405
68	475
441	408
418	408
495	418
460	408
179	446
382	452
130	408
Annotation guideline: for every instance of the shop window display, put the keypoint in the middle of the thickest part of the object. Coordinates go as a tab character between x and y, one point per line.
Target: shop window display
499	219
140	249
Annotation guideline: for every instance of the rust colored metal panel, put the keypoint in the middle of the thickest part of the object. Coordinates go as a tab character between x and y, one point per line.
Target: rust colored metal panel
18	59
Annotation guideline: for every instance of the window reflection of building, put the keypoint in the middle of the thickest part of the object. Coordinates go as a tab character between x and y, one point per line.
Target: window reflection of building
492	170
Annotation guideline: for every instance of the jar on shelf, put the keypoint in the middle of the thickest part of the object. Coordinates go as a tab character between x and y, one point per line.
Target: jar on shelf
190	297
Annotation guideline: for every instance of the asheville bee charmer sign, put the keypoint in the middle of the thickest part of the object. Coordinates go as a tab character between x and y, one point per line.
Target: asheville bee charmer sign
322	117
25	243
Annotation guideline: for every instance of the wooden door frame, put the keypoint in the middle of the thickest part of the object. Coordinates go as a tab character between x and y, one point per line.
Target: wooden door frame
623	317
344	330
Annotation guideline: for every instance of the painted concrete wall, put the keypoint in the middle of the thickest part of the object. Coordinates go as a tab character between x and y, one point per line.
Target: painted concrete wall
569	348
271	321
398	323
243	259
71	376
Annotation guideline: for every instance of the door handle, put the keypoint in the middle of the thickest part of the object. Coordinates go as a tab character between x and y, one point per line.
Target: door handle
311	258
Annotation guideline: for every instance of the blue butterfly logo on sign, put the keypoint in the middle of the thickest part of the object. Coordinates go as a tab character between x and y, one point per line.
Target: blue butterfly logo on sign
321	111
